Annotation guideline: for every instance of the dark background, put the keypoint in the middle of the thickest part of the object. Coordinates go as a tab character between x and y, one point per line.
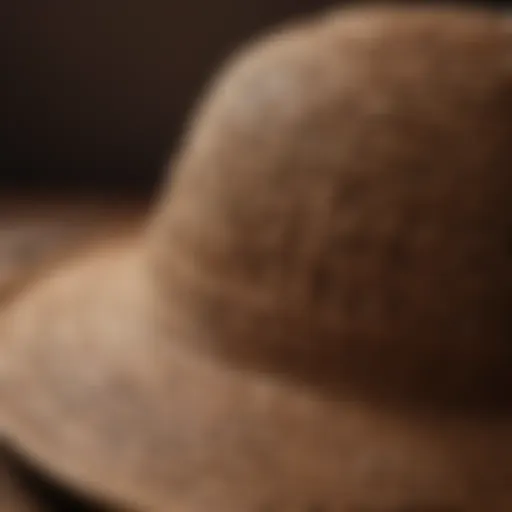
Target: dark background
94	93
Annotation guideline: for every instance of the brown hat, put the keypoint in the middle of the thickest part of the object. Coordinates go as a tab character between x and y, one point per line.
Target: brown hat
317	317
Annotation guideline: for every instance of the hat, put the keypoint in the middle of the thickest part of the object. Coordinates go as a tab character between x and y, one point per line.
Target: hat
316	317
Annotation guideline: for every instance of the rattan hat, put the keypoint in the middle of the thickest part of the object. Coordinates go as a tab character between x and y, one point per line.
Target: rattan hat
317	317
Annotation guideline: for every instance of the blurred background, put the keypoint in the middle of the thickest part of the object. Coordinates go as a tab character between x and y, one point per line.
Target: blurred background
94	93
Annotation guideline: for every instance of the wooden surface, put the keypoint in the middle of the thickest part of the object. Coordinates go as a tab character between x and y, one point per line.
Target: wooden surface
36	230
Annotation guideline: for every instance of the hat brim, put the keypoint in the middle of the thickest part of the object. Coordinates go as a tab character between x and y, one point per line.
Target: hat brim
94	392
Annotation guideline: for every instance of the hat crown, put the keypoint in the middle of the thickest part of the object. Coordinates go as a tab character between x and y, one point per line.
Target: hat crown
340	208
